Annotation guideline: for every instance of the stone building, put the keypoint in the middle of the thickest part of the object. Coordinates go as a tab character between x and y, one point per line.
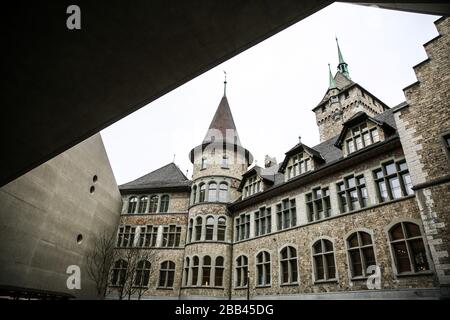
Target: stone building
363	214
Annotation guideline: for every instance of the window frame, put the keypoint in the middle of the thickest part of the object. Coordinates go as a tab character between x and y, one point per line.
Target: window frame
386	178
360	247
288	259
166	271
323	254
347	191
264	263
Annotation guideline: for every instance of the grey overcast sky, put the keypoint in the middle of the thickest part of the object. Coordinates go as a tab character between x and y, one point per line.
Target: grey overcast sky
273	86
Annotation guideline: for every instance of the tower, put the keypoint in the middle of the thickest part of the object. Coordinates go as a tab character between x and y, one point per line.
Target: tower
219	162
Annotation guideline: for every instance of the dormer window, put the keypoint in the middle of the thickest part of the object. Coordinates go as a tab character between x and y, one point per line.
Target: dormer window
361	136
252	186
299	165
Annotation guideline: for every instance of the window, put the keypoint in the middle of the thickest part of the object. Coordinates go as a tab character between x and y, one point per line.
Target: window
166	274
318	205
171	236
263	269
393	181
253	185
243	227
352	193
212	192
143	204
203	164
209	228
447	141
195	263
263	221
186	272
360	252
408	248
164	207
132	203
288	265
225	162
191	224
202	192
148	236
218	274
198	228
286	214
206	271
241	271
223	192
125	238
153	204
323	259
142	274
119	272
362	136
194	194
221	228
299	166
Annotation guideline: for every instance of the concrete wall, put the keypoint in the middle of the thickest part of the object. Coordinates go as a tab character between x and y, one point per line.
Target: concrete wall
43	213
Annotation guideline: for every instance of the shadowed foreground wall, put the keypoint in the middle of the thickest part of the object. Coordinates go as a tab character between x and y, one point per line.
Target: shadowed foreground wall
43	213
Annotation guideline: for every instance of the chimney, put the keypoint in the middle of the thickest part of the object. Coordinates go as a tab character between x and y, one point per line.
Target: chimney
269	161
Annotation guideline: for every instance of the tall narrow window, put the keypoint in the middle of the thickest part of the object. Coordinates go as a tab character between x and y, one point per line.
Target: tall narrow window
142	274
393	181
288	265
202	193
263	221
190	230
218	272
221	228
225	162
194	194
223	192
132	203
209	228
142	208
186	272
360	252
263	269
212	192
203	165
153	204
241	271
198	228
166	274
408	248
323	259
119	272
164	207
195	264
352	193
286	214
206	271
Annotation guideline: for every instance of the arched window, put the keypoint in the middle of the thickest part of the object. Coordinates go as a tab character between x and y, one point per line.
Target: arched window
206	271
166	274
288	264
194	194
212	192
323	259
263	269
408	248
186	272
223	192
189	236
202	193
132	203
218	272
209	228
221	228
153	204
143	204
360	252
119	272
241	271
164	207
195	263
198	228
142	274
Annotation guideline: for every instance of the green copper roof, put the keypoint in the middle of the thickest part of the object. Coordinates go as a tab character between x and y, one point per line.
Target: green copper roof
332	83
341	58
342	66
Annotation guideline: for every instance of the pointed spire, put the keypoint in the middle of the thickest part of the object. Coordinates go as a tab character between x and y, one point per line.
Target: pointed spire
225	84
342	66
332	83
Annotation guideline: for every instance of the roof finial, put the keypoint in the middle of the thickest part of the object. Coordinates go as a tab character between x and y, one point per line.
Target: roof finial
174	155
225	84
342	66
332	83
300	139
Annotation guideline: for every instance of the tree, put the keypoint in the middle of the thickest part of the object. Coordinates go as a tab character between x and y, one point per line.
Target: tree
100	260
